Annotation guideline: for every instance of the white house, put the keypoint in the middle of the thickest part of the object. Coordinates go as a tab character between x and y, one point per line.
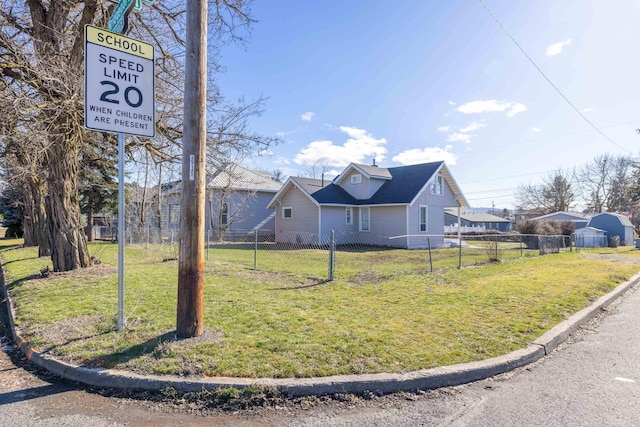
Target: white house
368	204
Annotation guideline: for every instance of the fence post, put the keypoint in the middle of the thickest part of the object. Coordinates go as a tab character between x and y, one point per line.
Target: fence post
208	241
332	251
430	259
460	253
255	250
521	249
497	247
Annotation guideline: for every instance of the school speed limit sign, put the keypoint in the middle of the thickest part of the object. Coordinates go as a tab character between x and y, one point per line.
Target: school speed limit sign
118	83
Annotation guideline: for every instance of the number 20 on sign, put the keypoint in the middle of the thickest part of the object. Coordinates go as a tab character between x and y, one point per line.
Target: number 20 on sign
119	83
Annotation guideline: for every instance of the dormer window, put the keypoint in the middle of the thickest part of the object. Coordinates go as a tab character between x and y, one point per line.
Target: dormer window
437	186
356	178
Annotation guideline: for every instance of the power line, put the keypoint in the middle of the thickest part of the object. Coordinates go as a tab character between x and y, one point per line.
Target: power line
502	178
490	197
526	141
489	191
549	80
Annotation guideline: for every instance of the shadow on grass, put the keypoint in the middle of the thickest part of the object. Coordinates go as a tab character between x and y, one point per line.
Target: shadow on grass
310	285
19	260
133	352
16	283
71	341
5	246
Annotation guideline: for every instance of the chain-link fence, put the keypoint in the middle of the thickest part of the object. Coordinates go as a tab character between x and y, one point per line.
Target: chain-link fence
350	256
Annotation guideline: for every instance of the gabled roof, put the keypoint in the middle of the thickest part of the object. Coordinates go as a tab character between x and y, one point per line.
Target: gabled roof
369	171
475	216
575	216
403	186
234	177
586	229
406	183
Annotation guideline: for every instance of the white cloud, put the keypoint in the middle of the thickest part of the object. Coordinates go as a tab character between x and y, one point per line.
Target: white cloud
282	161
587	110
307	116
266	153
556	48
536	130
452	103
516	108
444	129
428	154
473	126
459	137
360	146
492	106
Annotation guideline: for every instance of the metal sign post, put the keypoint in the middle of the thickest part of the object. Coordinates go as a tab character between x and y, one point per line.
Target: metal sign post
119	97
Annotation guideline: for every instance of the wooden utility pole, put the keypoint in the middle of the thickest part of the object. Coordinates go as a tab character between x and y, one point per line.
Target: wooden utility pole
190	321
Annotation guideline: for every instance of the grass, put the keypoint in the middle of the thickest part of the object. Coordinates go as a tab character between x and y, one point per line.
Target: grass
385	312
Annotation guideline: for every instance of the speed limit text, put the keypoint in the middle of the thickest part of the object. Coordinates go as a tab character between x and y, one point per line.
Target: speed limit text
120	68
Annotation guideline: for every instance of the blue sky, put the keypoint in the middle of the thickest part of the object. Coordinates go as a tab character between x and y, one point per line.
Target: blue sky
420	80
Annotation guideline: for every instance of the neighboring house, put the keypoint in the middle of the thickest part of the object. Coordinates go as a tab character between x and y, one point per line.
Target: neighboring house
614	225
236	200
481	221
523	215
369	204
580	220
590	237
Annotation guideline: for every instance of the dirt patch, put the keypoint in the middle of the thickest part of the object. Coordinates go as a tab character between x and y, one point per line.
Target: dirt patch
613	257
68	330
98	270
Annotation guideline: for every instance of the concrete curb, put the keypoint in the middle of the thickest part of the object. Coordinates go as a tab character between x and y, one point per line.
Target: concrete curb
383	383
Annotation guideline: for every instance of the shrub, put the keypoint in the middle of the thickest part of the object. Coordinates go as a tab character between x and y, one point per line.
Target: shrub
615	241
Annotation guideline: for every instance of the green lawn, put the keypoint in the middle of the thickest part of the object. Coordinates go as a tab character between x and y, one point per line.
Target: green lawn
385	312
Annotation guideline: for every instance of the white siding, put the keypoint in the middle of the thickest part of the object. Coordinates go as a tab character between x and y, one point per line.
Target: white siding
304	220
359	191
436	204
334	218
365	190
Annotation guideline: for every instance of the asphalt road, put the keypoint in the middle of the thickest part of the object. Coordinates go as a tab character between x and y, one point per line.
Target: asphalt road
592	380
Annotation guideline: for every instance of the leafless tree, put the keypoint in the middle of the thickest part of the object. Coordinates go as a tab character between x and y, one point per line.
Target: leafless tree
316	168
41	66
604	183
555	193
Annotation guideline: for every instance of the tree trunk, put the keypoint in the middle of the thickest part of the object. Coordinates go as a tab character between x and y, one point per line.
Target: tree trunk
68	241
35	217
89	229
28	218
41	229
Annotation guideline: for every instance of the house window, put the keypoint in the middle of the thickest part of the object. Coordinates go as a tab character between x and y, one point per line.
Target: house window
437	186
174	214
356	178
224	215
287	212
423	218
364	219
348	212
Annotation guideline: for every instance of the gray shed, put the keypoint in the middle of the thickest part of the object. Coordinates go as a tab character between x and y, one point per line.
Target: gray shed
615	225
590	237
